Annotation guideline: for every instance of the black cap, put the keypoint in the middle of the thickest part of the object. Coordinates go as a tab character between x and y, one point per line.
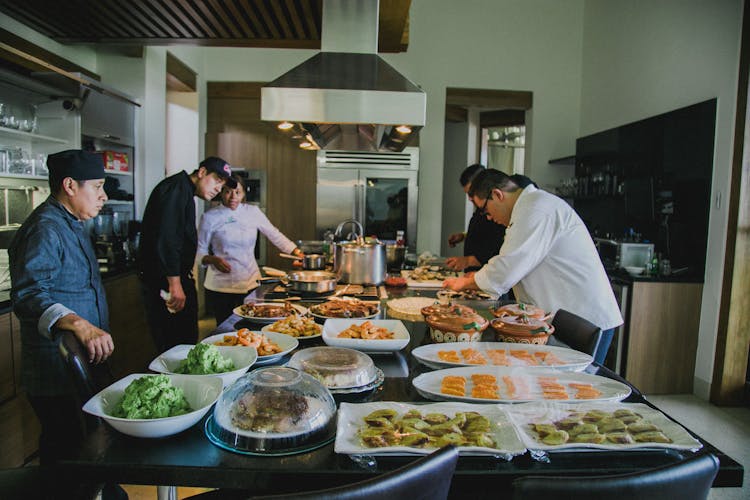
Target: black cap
75	163
221	168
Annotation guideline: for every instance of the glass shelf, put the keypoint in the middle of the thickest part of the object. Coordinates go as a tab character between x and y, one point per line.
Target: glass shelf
28	135
23	176
118	172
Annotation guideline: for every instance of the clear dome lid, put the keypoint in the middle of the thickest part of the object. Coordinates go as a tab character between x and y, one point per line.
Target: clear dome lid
335	367
275	410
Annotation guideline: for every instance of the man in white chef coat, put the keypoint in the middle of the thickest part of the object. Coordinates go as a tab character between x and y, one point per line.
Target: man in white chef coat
548	256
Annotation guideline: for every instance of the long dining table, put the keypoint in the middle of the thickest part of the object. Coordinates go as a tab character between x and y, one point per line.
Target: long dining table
190	459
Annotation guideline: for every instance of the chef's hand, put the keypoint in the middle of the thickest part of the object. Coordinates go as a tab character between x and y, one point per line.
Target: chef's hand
218	263
461	283
176	300
97	342
456	238
461	263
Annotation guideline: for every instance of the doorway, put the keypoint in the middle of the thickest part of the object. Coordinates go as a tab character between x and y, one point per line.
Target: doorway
481	126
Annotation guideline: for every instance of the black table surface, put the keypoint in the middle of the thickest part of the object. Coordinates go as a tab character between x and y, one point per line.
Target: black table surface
189	459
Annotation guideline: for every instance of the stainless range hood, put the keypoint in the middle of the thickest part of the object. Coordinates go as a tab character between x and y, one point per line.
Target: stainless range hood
346	97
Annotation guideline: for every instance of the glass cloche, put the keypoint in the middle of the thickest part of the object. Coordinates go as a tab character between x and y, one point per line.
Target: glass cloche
335	367
273	411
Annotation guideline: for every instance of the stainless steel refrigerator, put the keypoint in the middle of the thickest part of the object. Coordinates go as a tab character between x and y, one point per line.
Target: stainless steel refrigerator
379	190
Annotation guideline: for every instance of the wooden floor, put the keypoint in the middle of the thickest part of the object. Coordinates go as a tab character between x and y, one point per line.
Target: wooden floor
138	492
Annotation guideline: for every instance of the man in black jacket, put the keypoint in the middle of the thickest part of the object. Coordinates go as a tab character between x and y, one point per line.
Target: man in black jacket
482	239
166	254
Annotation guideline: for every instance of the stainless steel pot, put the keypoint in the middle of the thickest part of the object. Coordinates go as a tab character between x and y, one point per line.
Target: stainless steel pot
312	281
310	262
359	263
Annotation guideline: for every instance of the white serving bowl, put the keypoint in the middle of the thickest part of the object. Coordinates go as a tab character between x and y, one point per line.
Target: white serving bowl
170	360
333	327
201	393
634	270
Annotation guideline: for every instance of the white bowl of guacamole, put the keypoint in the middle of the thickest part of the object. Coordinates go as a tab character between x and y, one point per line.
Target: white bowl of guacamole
206	360
141	410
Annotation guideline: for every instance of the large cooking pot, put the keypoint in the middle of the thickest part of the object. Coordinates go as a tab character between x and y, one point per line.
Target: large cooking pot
312	281
359	263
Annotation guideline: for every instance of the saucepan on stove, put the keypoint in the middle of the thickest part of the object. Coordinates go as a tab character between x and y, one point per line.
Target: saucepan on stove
312	281
310	261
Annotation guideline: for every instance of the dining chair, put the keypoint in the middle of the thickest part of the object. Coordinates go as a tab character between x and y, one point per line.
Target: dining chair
576	332
689	479
88	378
427	478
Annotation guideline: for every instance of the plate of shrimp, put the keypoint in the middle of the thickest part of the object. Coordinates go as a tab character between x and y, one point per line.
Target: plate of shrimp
369	335
271	346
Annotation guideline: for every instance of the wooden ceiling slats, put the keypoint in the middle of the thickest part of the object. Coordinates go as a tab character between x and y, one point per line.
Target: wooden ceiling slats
267	18
215	23
25	16
188	16
137	17
296	18
250	23
163	12
311	17
104	17
233	18
140	9
260	30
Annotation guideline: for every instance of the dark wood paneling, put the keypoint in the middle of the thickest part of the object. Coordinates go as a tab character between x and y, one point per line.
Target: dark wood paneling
7	379
134	347
236	133
180	76
486	98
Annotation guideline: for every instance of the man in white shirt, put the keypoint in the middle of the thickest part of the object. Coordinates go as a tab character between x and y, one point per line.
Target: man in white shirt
548	257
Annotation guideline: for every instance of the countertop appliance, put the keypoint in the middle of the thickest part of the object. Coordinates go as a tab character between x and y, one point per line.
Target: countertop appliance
619	254
377	189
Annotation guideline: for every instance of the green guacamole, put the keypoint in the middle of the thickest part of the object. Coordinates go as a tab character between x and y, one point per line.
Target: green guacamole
205	359
152	396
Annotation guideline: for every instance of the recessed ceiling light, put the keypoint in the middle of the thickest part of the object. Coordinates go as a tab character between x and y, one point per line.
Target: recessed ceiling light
403	129
285	125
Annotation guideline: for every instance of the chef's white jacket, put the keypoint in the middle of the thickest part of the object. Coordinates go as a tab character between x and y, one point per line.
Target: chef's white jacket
231	235
549	259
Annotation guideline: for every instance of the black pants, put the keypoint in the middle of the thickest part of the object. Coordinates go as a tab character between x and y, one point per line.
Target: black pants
167	329
224	303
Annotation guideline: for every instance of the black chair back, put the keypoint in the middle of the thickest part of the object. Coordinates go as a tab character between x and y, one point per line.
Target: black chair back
428	478
690	479
576	332
88	378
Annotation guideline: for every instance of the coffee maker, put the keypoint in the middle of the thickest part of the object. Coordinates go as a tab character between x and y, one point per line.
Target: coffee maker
110	231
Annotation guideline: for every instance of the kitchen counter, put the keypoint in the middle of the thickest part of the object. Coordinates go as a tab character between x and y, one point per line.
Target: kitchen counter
624	277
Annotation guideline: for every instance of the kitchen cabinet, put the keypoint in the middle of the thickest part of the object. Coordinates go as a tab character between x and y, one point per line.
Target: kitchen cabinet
662	336
19	428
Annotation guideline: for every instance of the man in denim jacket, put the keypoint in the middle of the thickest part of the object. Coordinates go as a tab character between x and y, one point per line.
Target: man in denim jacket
56	286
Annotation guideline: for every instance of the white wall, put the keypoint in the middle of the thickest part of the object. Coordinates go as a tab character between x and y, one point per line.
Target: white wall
455	156
642	58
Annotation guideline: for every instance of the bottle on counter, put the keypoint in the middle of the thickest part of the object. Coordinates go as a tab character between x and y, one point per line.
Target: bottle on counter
655	265
400	239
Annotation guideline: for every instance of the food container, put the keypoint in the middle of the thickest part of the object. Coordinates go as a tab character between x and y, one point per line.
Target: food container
394	255
312	281
522	329
273	411
200	392
360	263
456	324
335	367
521	309
310	262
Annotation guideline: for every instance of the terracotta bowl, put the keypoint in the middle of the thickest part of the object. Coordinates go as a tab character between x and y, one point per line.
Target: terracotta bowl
509	329
466	327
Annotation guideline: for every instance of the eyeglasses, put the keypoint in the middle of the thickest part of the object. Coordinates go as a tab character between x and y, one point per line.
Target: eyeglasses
483	210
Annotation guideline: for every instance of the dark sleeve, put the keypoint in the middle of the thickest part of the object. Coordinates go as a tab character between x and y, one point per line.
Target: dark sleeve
170	220
483	238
